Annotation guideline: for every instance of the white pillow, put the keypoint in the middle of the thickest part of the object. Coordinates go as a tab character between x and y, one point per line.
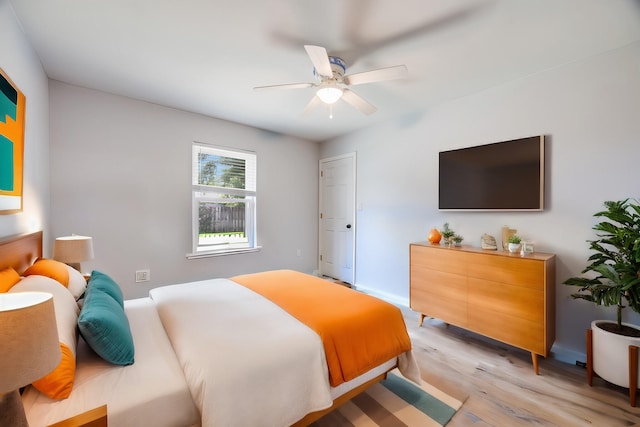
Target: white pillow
77	283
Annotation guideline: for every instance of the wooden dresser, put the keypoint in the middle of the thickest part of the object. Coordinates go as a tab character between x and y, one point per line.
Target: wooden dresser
504	296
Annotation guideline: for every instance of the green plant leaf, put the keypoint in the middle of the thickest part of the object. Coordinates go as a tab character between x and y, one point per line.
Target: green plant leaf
615	260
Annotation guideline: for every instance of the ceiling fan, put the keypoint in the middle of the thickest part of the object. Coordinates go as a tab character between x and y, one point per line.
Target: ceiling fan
332	84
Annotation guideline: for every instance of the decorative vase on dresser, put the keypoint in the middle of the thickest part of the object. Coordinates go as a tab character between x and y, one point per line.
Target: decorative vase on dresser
504	296
434	236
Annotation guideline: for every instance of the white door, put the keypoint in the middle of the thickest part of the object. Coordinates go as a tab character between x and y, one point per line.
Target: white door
337	217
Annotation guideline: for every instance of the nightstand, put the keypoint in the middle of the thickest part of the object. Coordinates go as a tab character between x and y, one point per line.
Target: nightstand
93	418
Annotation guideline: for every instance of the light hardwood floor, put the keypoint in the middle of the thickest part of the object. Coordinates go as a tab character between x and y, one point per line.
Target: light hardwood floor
502	388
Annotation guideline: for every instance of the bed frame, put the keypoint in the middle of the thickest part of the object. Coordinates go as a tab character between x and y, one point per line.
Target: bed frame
314	416
21	250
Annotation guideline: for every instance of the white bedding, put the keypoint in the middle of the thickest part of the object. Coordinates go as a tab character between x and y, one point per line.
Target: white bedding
151	392
242	359
268	370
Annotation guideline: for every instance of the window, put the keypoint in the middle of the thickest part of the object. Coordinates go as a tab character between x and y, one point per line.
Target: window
224	200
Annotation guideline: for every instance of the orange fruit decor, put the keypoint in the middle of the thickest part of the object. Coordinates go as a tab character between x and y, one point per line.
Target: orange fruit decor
434	236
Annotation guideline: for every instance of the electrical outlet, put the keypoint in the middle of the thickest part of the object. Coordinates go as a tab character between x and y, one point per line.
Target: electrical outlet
143	275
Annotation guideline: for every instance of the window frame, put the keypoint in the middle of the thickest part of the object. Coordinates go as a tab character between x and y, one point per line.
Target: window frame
200	193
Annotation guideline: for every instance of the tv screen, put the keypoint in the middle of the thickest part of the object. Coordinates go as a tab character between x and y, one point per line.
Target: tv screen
503	176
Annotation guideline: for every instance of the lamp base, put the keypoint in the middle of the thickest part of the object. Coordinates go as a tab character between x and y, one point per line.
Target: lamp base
75	265
12	411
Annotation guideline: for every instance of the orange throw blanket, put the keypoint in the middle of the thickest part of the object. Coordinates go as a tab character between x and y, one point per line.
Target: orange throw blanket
359	331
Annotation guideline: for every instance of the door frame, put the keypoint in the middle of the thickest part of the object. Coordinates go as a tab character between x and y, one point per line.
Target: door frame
354	163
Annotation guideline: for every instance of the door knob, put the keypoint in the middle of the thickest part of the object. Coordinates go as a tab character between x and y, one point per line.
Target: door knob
348	225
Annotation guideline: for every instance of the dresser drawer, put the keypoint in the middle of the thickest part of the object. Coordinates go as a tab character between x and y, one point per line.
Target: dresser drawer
449	310
504	269
439	294
439	258
512	330
502	298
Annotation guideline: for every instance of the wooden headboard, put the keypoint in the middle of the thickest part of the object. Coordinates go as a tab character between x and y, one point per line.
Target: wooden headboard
20	250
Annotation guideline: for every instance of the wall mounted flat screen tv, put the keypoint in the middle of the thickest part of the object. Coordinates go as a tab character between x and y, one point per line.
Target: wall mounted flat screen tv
503	176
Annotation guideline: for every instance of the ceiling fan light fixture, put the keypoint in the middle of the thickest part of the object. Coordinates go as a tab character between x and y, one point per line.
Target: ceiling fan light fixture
329	94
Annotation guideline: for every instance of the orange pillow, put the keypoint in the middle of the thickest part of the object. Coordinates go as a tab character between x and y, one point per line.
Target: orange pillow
59	382
50	268
8	278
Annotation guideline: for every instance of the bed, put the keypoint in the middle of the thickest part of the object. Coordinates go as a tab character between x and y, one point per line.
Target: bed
218	352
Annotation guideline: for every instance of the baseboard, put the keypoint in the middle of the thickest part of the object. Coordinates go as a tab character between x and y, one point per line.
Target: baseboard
566	355
391	298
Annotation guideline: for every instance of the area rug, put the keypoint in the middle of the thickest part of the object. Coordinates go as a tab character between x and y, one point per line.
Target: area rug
394	402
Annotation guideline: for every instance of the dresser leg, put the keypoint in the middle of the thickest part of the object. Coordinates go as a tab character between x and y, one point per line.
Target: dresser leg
534	359
422	316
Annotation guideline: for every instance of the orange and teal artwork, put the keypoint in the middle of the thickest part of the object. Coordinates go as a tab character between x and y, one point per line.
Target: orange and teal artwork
12	108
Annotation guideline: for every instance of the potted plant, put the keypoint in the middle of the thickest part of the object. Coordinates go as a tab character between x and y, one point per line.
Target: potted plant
514	243
457	240
447	234
612	278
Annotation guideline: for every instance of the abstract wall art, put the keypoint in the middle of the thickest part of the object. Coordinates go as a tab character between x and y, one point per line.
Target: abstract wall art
12	111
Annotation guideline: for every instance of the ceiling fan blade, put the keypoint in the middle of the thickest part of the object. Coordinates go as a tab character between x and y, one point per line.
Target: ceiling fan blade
358	102
315	101
390	73
286	86
320	60
454	19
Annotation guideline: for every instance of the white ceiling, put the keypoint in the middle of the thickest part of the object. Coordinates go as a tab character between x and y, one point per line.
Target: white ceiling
206	56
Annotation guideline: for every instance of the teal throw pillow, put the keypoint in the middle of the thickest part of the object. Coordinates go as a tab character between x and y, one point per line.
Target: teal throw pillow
102	282
104	326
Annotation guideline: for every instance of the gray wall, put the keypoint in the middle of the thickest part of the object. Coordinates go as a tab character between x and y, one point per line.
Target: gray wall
20	63
589	110
121	173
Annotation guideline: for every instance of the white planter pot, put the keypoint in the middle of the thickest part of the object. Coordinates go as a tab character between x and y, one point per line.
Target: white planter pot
611	354
514	247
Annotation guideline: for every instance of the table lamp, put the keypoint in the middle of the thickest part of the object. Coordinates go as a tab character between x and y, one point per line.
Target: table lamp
72	250
29	348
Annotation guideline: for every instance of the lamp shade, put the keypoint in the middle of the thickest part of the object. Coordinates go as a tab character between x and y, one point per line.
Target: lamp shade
73	249
29	345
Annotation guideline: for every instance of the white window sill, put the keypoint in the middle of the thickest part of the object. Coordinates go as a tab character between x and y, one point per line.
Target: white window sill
222	253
